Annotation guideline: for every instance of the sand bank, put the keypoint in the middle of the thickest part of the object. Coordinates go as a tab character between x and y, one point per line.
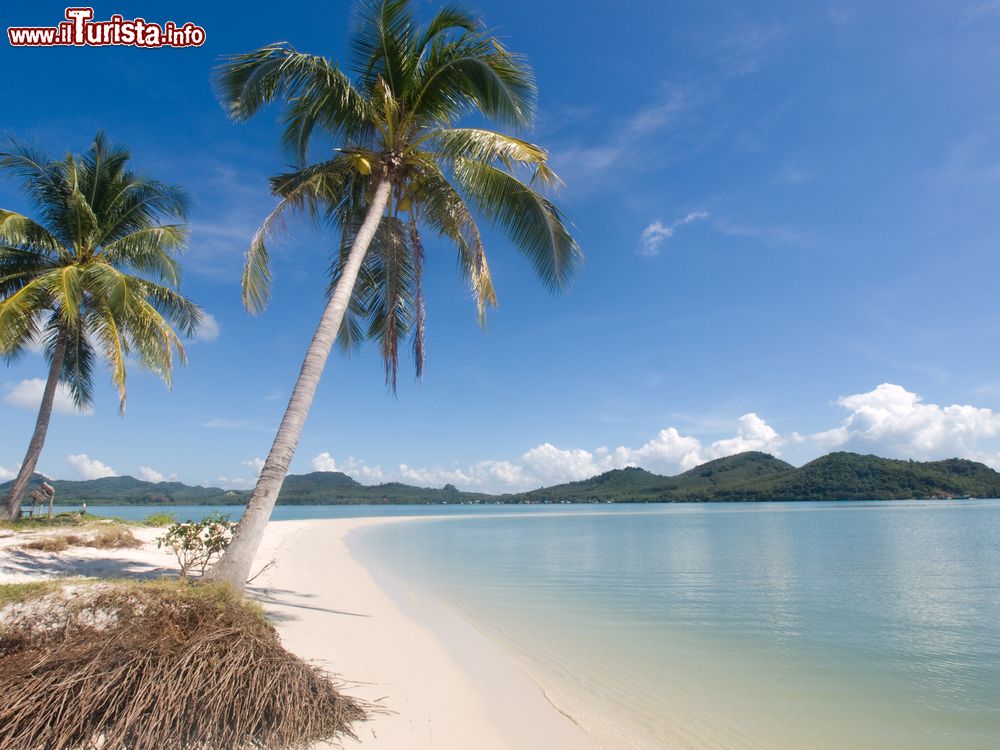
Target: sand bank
438	682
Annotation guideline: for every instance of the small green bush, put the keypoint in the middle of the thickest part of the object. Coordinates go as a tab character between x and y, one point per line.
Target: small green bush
160	518
196	545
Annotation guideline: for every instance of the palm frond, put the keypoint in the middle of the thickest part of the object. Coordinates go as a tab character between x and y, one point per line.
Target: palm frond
104	326
312	190
443	207
484	145
531	221
148	250
19	313
381	44
318	92
475	74
78	360
93	265
449	18
17	229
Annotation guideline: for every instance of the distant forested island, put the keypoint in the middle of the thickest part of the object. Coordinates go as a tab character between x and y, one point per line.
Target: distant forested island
749	476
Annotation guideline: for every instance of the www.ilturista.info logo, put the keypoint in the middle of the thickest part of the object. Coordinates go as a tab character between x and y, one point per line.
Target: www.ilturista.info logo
80	30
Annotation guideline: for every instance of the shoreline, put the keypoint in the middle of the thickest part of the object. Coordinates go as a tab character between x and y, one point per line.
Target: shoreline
441	683
445	686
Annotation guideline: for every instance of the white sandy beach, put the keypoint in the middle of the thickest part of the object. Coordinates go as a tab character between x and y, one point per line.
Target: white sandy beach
447	688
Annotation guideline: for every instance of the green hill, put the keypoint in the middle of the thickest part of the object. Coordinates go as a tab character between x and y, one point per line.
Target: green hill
317	488
849	476
638	485
746	476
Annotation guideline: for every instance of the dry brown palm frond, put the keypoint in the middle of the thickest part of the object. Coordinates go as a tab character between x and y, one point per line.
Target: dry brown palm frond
160	667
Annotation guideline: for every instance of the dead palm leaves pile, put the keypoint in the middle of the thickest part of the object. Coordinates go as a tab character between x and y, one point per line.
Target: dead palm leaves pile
158	667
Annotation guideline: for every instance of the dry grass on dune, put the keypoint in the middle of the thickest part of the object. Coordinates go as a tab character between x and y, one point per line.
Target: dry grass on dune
156	666
111	537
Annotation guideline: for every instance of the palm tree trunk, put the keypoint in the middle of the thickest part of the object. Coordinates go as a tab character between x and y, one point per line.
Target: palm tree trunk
12	504
234	566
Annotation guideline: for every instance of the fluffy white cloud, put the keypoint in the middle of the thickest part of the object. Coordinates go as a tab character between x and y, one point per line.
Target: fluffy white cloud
148	474
893	421
668	452
352	467
546	464
654	235
753	434
209	329
6	474
89	468
888	420
324	462
27	394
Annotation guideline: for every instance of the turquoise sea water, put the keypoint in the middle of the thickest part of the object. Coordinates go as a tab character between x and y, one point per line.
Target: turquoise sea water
766	625
739	625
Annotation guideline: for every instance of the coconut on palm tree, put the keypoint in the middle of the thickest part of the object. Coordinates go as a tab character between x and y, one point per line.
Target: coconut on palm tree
398	165
95	276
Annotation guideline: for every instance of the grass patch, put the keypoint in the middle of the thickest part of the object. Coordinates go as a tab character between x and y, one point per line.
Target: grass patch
58	521
17	593
59	543
159	519
106	537
113	537
160	664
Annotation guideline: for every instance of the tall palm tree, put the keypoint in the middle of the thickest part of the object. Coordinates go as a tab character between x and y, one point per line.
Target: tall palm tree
398	165
95	276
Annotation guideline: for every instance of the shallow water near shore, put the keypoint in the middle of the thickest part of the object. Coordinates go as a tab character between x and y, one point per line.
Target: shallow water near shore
750	625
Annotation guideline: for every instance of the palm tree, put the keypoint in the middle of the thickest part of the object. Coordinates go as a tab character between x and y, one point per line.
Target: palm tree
399	165
95	276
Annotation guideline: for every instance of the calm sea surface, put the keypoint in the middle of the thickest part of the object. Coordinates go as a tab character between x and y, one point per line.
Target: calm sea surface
767	625
738	625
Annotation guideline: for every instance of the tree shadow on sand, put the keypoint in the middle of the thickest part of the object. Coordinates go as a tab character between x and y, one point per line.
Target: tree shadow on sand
21	562
285	598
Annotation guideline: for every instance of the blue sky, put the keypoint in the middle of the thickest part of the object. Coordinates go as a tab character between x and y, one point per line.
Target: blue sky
791	215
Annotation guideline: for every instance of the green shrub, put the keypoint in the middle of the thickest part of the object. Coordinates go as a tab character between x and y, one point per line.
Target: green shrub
160	518
196	545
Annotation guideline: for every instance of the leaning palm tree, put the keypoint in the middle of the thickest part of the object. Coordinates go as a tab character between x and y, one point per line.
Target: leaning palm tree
398	165
94	277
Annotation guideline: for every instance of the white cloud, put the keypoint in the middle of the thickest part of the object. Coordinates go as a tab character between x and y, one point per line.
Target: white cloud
148	474
324	462
626	141
254	463
547	464
753	434
27	394
6	474
894	422
888	421
654	235
354	468
209	329
668	452
89	468
235	483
